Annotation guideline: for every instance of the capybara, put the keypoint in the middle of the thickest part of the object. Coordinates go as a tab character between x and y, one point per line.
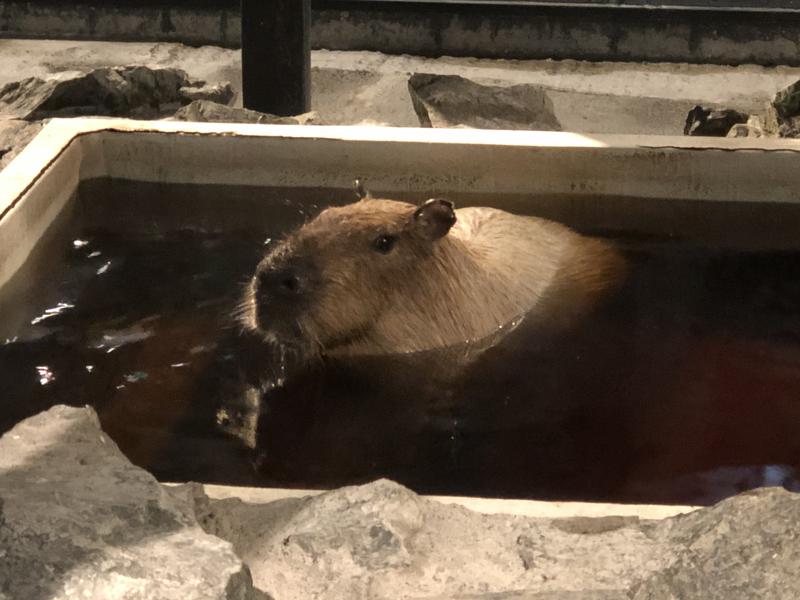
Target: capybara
381	276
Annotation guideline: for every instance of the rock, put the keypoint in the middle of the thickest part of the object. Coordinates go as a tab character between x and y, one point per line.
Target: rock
781	118
14	136
782	115
221	93
453	101
522	595
753	128
744	130
712	122
769	124
77	520
771	121
21	99
745	547
381	541
787	102
790	128
213	112
135	91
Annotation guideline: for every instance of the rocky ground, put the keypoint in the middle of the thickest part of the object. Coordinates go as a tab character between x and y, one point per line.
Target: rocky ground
77	520
372	88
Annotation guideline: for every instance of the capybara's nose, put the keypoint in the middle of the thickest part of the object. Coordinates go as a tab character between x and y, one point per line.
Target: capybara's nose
283	283
290	284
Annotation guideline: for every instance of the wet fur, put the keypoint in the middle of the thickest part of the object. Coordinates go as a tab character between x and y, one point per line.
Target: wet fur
491	269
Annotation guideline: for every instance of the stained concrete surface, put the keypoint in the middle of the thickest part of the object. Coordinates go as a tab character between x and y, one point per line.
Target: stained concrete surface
370	87
444	28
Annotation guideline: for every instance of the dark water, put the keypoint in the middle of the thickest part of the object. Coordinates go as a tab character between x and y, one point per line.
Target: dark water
685	388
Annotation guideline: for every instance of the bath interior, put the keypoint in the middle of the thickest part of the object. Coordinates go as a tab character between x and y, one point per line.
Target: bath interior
683	389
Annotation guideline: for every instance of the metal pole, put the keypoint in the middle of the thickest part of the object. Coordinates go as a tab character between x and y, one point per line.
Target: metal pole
276	56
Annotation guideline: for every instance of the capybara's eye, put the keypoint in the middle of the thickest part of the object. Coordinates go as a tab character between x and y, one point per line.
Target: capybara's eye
384	243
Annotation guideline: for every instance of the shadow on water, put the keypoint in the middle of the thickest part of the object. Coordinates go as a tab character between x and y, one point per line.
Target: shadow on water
684	388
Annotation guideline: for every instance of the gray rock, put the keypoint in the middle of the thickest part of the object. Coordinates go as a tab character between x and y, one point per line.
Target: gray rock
208	111
135	91
754	128
712	122
381	541
771	121
775	121
790	128
14	136
77	520
745	547
781	117
221	93
453	101
783	113
787	101
741	130
523	595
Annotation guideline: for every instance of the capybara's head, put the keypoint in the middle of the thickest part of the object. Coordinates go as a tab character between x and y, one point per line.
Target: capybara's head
326	285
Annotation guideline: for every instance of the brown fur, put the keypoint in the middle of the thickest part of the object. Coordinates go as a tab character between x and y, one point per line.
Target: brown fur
491	269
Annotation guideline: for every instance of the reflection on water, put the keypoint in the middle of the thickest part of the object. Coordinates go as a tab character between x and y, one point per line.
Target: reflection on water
685	388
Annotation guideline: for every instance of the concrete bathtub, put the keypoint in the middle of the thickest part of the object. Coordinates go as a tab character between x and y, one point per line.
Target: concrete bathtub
728	193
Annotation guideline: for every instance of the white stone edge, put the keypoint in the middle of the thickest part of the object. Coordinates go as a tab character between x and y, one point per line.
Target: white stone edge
18	176
543	509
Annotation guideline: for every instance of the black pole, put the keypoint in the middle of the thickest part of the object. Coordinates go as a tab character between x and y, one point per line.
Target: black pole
276	56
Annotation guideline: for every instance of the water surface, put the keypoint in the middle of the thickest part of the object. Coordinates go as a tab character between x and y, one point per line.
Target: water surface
685	388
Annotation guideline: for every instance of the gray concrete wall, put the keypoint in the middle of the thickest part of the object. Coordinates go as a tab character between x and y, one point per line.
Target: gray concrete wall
620	34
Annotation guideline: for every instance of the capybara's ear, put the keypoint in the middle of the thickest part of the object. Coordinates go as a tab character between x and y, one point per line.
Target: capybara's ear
434	218
360	189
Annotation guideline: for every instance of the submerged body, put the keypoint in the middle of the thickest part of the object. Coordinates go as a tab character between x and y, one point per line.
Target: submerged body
383	277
